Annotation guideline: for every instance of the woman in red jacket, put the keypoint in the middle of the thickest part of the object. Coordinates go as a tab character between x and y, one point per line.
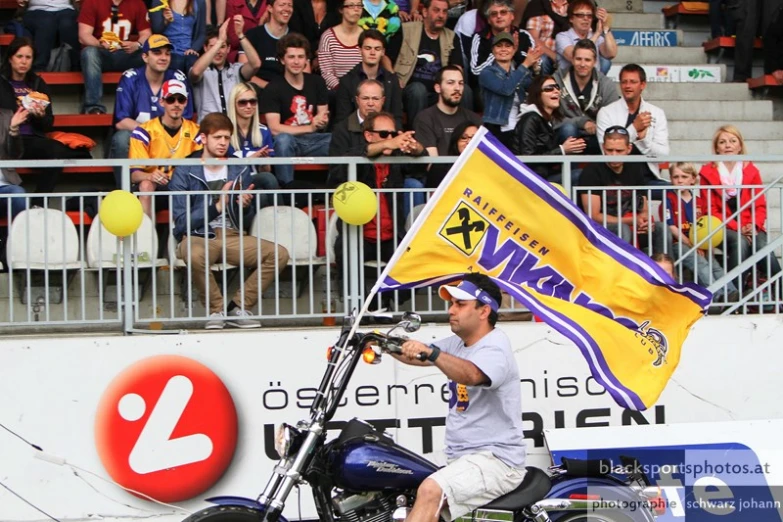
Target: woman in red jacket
744	233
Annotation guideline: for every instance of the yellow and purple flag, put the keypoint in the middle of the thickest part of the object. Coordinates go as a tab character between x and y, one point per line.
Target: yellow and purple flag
491	214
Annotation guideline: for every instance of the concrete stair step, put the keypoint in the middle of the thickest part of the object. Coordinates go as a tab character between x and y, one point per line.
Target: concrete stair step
622	6
705	146
760	110
704	130
637	21
706	91
667	55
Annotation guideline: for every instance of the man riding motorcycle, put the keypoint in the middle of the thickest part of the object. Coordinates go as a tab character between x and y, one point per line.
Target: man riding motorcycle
484	436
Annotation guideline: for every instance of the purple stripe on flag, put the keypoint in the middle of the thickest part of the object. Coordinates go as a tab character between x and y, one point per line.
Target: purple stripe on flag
586	344
590	232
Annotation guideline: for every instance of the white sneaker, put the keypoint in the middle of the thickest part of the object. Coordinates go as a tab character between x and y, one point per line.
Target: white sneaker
216	321
240	319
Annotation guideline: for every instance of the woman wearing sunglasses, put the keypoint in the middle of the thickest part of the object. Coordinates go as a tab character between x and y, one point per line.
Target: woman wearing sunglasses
535	134
251	138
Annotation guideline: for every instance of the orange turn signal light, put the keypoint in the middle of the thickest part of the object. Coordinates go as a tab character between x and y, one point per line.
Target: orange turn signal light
369	355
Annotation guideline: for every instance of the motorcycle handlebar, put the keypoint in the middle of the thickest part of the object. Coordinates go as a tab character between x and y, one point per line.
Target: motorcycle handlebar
389	344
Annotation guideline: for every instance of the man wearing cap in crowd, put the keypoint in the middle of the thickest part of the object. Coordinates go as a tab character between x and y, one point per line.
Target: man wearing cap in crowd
484	436
139	94
168	136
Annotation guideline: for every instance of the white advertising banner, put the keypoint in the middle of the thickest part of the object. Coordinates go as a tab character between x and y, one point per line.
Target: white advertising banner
186	417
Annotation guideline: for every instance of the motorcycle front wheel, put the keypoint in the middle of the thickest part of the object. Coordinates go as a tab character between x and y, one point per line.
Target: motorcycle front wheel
225	514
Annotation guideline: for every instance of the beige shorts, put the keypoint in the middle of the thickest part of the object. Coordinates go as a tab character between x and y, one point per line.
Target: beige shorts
473	481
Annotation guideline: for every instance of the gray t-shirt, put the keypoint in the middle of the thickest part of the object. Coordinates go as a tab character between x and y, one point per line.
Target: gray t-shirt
486	418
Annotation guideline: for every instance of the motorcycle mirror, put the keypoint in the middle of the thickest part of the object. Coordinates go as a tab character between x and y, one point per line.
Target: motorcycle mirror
411	322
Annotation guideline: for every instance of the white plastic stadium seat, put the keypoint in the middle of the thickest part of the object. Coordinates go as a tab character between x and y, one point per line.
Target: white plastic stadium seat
291	228
413	215
103	251
43	239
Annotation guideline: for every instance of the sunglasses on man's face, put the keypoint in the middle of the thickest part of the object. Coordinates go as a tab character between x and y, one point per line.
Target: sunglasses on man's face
250	101
178	98
384	134
550	88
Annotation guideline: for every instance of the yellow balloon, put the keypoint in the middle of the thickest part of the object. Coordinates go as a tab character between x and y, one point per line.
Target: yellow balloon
121	213
560	187
355	203
703	227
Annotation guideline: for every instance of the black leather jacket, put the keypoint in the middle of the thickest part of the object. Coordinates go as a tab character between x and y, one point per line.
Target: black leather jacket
534	136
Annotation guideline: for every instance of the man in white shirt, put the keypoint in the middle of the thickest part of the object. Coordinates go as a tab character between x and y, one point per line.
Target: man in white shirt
646	123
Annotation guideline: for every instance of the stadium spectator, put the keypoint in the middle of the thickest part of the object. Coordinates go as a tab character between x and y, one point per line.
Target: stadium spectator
209	228
746	232
435	125
213	76
105	30
544	19
347	134
535	134
752	18
581	14
503	86
20	87
49	21
296	108
419	51
311	18
253	12
372	45
338	50
460	138
139	94
184	23
625	212
11	149
773	47
168	136
583	92
383	15
666	262
380	138
646	123
251	138
264	39
680	211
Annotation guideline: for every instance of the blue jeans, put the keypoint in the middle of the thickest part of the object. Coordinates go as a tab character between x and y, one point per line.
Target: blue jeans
570	130
268	182
96	61
120	146
16	204
46	26
547	66
604	64
417	198
705	276
290	146
660	240
182	62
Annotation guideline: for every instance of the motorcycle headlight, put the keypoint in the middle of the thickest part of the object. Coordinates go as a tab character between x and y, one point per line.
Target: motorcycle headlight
286	439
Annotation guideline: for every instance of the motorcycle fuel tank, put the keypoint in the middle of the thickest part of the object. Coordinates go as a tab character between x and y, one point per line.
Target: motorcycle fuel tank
368	465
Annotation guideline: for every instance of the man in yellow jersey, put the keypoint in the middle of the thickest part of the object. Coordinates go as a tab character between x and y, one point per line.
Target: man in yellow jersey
169	136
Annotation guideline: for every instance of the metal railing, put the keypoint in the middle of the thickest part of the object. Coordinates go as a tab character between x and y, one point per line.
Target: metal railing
102	282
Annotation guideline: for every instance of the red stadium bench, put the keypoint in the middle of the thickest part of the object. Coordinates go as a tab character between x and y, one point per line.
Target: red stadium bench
726	42
686	8
5	39
76	78
82	120
762	81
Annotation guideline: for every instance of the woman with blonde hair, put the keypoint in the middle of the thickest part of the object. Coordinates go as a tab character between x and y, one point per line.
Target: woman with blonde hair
251	138
746	231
